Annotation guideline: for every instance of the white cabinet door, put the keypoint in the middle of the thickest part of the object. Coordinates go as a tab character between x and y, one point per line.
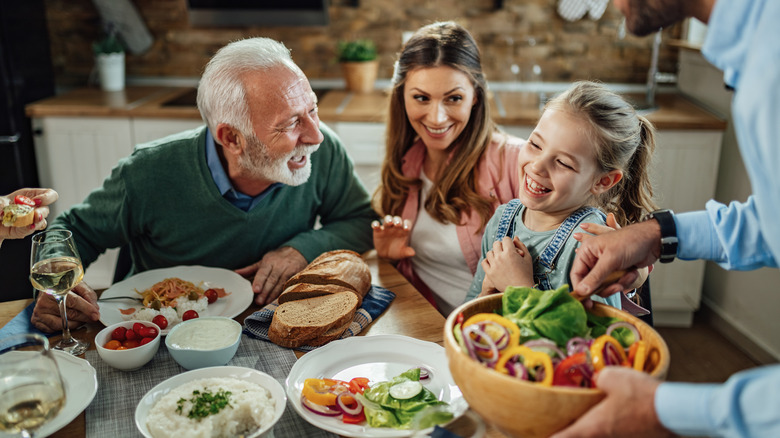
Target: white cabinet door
684	175
75	155
146	129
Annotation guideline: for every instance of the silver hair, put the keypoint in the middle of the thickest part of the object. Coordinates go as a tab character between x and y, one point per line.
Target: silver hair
221	92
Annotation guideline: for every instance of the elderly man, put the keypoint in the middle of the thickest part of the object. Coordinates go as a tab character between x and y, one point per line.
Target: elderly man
243	192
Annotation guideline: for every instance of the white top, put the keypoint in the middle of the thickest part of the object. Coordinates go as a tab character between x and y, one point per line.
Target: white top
439	260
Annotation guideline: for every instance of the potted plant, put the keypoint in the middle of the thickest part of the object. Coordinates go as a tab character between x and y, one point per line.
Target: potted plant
359	63
110	60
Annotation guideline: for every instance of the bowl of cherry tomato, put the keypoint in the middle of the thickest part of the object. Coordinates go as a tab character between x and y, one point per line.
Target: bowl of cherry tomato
128	345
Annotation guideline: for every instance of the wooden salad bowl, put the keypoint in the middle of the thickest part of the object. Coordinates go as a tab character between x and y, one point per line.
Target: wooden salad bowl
523	409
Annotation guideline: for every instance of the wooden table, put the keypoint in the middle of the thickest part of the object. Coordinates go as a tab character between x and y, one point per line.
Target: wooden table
409	314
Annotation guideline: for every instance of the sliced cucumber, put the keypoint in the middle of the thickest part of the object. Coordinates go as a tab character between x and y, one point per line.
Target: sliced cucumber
405	390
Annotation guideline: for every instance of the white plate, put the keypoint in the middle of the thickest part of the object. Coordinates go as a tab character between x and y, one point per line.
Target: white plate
239	288
80	388
241	373
379	358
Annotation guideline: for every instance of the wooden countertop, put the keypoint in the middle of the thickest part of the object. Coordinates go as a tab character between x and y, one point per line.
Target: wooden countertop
508	108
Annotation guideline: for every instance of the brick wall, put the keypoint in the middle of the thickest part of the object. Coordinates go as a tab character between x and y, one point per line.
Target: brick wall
522	33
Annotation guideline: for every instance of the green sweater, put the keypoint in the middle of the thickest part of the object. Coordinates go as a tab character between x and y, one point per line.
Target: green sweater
162	201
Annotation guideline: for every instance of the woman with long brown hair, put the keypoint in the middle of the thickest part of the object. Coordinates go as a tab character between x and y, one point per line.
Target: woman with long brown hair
447	165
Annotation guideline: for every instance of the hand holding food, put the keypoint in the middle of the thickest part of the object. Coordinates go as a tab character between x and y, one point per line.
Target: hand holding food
24	211
391	238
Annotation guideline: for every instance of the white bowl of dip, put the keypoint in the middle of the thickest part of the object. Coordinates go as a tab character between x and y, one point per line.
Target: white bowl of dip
204	342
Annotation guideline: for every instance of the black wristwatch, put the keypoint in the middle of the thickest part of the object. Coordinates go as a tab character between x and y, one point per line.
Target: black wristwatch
665	219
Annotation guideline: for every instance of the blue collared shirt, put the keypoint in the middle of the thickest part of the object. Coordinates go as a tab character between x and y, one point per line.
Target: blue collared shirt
226	189
742	40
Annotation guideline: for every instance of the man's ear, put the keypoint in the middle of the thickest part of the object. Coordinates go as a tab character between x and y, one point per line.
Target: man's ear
230	138
607	181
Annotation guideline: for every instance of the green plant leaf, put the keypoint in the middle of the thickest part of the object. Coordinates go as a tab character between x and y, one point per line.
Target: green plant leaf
356	51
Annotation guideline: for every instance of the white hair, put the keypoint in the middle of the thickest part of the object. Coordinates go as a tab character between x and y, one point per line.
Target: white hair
221	92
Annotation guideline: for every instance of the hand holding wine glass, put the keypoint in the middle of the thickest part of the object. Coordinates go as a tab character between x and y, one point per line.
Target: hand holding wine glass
31	388
55	269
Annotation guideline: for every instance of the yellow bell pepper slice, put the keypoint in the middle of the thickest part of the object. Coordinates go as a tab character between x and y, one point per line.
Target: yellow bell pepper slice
531	359
637	355
324	391
514	330
597	351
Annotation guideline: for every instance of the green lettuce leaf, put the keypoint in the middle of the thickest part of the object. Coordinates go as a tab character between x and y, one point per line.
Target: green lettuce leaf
551	314
400	413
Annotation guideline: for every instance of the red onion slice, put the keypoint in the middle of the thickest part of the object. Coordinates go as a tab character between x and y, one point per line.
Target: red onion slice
545	344
319	409
346	408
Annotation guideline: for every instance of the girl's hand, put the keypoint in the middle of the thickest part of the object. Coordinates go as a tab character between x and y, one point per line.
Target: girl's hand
391	238
487	288
596	229
508	264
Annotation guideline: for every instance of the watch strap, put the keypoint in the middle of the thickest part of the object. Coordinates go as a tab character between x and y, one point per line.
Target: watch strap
665	219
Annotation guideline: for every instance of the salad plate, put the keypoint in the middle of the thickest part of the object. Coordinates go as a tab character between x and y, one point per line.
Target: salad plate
239	291
378	358
81	385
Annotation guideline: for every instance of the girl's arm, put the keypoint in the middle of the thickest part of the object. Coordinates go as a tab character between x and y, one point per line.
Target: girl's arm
508	264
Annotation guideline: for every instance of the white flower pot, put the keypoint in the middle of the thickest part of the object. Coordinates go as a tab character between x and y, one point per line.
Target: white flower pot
111	71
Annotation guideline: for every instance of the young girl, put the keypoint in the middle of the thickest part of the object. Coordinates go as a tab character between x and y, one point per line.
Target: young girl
587	156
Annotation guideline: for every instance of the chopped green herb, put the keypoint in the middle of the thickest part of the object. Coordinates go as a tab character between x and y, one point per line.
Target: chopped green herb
205	403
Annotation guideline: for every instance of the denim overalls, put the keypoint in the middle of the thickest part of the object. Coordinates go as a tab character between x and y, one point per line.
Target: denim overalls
545	262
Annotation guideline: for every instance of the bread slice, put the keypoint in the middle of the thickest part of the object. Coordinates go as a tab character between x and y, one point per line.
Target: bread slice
301	291
296	322
330	335
341	267
18	215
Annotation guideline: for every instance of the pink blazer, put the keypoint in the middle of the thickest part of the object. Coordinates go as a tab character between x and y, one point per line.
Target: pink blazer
498	180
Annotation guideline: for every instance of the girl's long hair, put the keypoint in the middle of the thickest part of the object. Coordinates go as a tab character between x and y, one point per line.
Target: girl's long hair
455	191
624	141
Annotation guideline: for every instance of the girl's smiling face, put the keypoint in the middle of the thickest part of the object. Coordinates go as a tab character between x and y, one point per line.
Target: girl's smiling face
558	168
438	102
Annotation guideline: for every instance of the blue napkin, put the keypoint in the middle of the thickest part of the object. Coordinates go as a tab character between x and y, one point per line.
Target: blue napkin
21	324
374	303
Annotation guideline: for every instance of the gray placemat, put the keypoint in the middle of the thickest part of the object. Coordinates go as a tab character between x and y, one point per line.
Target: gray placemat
112	412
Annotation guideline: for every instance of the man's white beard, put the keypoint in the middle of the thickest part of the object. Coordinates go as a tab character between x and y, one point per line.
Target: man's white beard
256	161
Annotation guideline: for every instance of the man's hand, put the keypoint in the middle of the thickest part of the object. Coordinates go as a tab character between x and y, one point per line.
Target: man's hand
391	238
508	264
81	304
42	198
628	410
634	246
272	271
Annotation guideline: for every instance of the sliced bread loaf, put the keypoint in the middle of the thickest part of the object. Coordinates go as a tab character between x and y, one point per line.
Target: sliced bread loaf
341	267
302	291
296	322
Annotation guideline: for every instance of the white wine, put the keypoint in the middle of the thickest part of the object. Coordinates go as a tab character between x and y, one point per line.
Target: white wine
27	407
56	276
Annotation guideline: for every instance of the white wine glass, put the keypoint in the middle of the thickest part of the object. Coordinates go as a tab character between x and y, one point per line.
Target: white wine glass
31	387
55	269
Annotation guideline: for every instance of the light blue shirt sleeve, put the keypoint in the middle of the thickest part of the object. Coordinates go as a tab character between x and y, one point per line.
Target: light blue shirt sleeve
747	405
728	235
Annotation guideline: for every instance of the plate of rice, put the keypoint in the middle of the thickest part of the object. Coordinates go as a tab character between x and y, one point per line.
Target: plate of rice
212	402
235	295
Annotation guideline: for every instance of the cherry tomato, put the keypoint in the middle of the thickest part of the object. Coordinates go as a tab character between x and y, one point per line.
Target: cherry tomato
131	335
119	334
131	344
148	332
353	419
146	340
113	344
138	327
160	321
569	371
211	295
121	347
190	314
24	200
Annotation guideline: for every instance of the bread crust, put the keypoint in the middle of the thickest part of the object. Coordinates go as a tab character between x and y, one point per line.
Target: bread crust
342	267
18	215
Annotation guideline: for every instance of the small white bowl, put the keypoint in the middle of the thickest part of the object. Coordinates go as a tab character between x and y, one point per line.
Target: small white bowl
132	358
204	342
